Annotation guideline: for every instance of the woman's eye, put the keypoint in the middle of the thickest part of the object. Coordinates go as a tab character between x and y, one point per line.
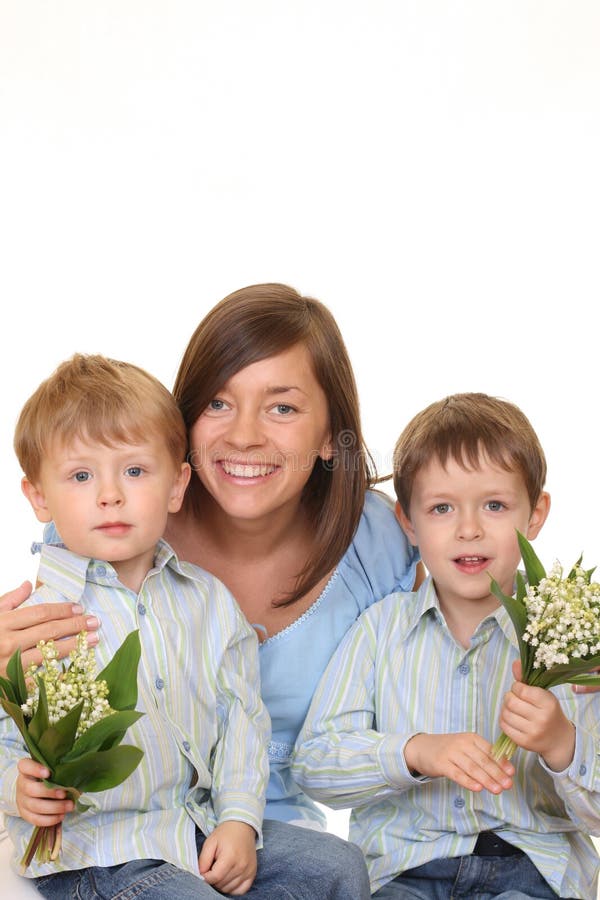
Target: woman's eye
494	505
216	405
283	409
134	471
441	509
81	476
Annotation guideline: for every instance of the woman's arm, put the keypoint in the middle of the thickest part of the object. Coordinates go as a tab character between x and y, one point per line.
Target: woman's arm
24	628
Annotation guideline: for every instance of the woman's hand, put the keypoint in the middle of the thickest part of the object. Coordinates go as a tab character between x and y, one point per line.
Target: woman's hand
24	628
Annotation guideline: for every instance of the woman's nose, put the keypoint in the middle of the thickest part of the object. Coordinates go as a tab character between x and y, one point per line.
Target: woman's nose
244	431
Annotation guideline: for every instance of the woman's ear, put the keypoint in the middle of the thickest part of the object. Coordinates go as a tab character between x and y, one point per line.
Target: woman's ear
37	499
326	451
405	524
538	515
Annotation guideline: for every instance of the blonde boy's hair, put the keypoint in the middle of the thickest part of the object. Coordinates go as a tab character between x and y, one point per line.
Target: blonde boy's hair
101	400
463	427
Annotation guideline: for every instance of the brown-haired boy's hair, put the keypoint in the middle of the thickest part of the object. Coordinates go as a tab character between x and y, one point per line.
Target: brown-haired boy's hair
260	321
462	427
98	399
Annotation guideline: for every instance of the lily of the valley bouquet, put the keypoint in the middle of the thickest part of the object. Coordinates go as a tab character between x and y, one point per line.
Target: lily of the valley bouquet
73	721
557	620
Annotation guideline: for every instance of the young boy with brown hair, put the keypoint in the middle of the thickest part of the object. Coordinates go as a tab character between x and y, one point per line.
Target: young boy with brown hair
102	445
401	726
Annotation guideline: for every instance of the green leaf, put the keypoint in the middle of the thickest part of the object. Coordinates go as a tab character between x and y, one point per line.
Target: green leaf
14	670
521	586
572	573
590	680
39	722
518	615
58	738
563	674
16	714
7	690
121	673
99	771
533	567
103	735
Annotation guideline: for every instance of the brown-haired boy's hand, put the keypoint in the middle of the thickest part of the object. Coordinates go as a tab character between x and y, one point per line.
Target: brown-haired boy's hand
24	628
38	804
533	718
227	860
465	758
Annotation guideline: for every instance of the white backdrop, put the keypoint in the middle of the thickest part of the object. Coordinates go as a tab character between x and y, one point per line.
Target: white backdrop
427	169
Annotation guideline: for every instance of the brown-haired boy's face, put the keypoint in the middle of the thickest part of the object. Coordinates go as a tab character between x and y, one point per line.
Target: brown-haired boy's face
464	522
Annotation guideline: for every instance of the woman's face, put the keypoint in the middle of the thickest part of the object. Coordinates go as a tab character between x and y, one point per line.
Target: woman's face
257	441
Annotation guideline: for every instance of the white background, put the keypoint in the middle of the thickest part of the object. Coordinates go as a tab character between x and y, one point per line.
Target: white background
429	170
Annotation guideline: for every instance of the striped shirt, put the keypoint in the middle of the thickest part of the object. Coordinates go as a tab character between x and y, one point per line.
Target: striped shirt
399	671
205	729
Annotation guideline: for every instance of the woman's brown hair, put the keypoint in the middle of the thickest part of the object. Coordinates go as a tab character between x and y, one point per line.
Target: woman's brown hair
258	322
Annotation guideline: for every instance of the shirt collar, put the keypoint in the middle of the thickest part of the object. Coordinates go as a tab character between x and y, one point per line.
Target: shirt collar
68	573
427	599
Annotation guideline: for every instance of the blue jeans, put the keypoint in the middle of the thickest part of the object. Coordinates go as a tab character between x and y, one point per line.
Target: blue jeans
472	877
294	864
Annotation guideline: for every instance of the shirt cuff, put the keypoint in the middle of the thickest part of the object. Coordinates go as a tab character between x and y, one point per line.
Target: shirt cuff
233	806
393	764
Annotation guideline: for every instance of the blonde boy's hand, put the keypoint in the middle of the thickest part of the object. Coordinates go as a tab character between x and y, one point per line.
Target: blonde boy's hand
227	860
532	717
38	804
464	758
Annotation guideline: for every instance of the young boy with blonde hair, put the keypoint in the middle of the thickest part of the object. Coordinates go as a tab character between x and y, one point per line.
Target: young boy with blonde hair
102	445
402	724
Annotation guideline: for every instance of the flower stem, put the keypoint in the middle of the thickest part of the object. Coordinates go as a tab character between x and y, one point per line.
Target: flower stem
503	746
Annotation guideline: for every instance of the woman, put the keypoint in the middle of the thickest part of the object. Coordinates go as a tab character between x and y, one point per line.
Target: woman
278	509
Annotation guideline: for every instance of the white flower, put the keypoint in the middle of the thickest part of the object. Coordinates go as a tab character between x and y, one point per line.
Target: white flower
66	687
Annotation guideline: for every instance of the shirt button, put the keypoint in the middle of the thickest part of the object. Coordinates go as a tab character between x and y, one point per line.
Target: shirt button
464	669
582	769
100	570
459	802
186	746
189	804
141	609
159	684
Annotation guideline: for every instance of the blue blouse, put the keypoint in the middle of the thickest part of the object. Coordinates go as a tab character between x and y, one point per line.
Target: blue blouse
379	561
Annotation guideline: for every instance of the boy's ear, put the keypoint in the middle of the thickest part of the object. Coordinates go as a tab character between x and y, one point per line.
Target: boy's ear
538	516
37	500
405	524
180	483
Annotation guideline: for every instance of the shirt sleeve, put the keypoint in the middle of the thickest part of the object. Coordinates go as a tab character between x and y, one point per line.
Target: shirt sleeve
578	785
340	758
12	750
380	560
240	764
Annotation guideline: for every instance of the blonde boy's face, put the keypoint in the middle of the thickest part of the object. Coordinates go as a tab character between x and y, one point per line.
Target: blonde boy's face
464	522
109	502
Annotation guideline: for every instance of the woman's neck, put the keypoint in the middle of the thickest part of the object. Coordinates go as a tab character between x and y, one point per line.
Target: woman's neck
211	533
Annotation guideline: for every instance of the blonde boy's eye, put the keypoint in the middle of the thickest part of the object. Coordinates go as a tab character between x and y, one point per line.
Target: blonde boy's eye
81	477
134	471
